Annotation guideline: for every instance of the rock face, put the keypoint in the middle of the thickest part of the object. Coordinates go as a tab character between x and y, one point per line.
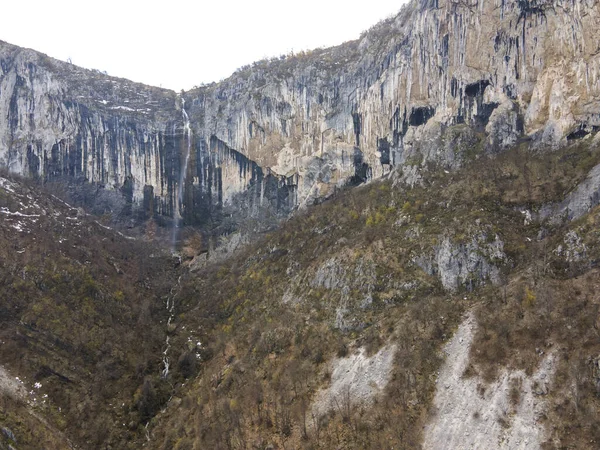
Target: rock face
469	415
583	198
442	82
355	380
62	122
467	264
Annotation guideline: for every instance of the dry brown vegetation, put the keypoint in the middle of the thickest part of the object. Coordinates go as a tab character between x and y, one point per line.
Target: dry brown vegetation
80	313
268	318
270	356
552	308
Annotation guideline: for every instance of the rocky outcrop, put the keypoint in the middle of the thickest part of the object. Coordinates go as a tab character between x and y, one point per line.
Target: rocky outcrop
11	386
467	264
355	381
61	121
442	82
580	201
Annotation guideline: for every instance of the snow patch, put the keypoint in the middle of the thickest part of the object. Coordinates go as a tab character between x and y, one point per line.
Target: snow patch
18	226
122	108
469	414
16	213
7	185
61	201
131	238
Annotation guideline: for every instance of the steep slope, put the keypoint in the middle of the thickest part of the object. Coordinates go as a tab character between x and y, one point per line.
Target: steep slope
405	91
67	124
324	333
63	121
82	325
480	118
506	413
441	81
301	325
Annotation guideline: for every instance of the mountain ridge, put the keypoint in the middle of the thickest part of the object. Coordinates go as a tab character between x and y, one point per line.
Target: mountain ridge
416	89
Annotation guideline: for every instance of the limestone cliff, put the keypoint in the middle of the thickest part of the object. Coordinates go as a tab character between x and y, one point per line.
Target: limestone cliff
61	122
442	82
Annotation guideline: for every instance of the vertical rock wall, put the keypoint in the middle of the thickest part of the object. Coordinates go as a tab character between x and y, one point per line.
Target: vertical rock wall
442	82
63	123
503	69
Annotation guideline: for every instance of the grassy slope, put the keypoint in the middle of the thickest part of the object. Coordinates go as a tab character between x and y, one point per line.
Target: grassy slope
80	312
86	318
270	327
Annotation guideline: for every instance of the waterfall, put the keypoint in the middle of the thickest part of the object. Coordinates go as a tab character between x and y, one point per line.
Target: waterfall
165	372
170	304
177	219
187	135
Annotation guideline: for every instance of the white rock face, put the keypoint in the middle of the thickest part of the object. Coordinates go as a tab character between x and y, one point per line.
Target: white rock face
574	249
64	122
12	386
467	417
579	202
355	380
52	126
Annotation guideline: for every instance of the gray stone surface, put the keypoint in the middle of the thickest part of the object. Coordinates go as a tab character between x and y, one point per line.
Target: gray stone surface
442	82
464	264
355	380
12	386
580	201
470	414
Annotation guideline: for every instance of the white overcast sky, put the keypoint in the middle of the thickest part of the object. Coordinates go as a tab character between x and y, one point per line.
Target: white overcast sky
181	43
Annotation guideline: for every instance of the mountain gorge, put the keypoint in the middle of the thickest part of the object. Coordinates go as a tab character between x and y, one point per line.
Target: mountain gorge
425	86
419	213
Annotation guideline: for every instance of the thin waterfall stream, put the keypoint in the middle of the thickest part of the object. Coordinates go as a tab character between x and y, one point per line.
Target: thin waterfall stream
178	218
177	213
